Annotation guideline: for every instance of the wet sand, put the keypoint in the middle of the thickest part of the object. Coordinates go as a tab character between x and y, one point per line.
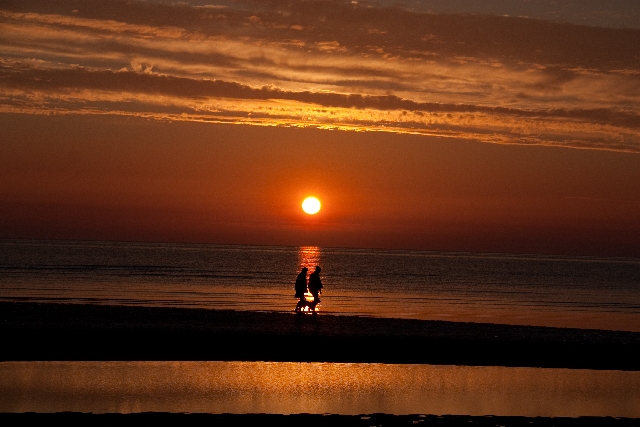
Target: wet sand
33	331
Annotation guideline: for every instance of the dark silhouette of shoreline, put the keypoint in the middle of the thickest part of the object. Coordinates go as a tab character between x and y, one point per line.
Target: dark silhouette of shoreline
33	331
333	420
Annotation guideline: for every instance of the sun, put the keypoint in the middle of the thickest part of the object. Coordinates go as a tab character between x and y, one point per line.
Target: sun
311	205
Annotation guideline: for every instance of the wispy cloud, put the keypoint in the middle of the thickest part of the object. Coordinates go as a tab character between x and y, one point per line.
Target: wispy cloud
329	64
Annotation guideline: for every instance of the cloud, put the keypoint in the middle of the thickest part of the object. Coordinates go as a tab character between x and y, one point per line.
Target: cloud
613	13
329	64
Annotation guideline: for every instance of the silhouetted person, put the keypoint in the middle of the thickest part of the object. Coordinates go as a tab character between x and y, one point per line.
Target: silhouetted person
301	283
315	285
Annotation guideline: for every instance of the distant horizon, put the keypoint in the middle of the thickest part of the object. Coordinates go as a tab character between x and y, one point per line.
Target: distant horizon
371	248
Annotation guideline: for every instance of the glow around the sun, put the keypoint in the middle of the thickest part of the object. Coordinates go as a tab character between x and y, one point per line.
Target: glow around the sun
311	205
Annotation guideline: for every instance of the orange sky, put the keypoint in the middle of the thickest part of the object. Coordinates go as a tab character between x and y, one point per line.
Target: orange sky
134	120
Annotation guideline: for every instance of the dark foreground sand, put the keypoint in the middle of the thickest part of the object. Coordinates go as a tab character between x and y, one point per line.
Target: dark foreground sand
91	332
310	420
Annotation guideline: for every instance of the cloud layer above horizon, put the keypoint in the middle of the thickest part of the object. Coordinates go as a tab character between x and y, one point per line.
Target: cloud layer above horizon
327	64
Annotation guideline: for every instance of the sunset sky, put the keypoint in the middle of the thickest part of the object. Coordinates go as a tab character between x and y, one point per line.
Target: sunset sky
494	126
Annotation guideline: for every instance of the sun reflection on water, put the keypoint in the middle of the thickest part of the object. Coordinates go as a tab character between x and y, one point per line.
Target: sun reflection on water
309	256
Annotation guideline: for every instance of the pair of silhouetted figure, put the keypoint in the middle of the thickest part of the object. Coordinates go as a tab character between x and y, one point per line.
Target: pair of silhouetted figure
314	287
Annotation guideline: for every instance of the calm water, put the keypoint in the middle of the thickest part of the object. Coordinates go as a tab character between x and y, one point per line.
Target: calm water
516	289
285	388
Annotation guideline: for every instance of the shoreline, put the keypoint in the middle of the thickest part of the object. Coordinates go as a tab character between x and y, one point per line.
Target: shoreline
334	420
50	331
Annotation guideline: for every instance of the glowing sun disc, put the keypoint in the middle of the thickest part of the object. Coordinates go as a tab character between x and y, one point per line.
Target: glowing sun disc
311	205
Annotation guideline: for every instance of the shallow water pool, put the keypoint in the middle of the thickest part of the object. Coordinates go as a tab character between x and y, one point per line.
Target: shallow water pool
340	388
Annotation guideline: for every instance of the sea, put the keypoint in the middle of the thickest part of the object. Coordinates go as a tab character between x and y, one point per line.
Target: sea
541	290
544	290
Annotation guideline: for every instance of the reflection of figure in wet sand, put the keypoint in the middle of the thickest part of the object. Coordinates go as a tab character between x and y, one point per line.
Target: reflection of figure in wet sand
315	285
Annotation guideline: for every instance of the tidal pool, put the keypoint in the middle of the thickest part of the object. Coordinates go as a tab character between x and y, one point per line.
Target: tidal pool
339	388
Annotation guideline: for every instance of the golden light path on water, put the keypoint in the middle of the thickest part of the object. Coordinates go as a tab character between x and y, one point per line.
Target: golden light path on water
309	256
286	388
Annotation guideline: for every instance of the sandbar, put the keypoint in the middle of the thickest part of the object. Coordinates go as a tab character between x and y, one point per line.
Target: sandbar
50	331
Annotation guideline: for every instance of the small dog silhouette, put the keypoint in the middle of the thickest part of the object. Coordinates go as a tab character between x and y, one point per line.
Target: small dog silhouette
306	306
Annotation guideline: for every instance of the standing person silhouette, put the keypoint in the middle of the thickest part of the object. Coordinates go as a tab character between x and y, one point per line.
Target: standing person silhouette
315	285
301	283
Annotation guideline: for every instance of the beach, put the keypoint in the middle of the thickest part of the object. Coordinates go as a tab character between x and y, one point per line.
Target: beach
77	332
34	331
